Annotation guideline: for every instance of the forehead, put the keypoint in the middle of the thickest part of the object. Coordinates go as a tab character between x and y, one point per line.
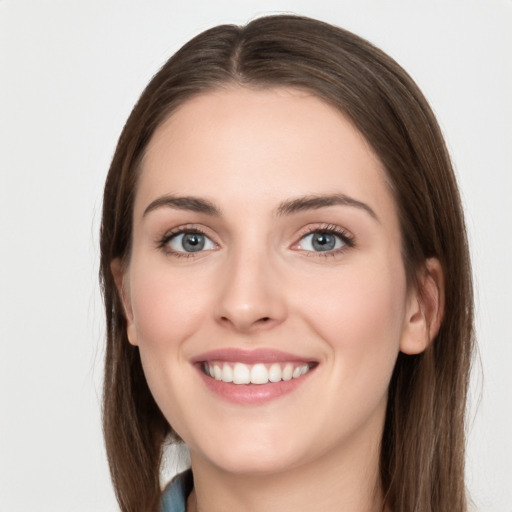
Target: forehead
241	143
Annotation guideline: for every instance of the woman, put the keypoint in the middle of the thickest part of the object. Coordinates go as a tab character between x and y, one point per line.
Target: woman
286	281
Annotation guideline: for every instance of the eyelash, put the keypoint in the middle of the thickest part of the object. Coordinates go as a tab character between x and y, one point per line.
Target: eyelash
169	235
328	229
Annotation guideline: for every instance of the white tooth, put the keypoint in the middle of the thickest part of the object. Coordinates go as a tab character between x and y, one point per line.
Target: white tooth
208	369
275	373
241	374
227	373
288	371
297	372
304	369
259	374
217	372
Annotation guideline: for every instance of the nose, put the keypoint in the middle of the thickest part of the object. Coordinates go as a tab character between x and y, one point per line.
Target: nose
251	296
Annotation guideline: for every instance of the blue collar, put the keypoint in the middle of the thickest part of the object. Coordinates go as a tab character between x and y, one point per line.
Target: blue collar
174	497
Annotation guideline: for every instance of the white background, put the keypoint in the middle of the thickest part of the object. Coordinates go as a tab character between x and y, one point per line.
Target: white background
70	71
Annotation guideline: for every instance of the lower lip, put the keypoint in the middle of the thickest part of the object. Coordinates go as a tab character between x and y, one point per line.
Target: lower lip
252	394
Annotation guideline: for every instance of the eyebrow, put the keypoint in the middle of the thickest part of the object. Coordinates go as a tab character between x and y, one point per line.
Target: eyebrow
192	204
315	202
289	207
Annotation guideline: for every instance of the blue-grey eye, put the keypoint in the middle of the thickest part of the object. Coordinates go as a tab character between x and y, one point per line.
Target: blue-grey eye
320	241
190	242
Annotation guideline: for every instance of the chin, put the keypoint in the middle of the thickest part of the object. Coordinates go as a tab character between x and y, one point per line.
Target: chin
249	457
254	466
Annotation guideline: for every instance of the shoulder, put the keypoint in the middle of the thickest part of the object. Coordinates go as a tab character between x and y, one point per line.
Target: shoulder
175	494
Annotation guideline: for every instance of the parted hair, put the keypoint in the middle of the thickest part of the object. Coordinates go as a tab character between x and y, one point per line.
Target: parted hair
423	442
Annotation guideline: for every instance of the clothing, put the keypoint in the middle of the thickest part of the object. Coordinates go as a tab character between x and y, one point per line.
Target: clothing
174	497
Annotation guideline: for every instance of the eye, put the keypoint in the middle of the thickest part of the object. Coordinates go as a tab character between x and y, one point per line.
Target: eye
324	240
189	241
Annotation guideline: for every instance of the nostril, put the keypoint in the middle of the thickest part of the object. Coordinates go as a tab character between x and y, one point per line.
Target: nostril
243	323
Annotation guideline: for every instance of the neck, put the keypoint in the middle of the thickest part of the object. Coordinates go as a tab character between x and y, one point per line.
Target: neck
338	481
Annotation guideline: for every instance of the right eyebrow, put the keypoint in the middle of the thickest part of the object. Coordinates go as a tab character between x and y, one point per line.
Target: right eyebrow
189	203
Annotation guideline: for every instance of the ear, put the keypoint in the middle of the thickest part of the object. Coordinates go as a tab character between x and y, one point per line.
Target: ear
425	309
122	284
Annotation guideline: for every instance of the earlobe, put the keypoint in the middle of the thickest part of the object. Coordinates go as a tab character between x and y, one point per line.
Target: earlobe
118	272
425	309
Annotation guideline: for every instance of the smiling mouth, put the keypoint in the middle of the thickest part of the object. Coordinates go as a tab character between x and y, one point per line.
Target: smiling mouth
259	373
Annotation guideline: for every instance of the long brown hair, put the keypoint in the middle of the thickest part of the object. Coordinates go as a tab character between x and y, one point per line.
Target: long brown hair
422	454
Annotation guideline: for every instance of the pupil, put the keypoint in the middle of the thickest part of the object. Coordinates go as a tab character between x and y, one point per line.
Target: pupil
323	242
193	242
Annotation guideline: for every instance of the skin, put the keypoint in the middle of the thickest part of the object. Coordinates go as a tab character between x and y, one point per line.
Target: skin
260	284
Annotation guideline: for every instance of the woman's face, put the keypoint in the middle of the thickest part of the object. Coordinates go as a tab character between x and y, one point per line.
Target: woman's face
266	249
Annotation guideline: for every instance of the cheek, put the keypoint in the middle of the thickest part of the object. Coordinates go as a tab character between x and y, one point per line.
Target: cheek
167	308
360	316
167	311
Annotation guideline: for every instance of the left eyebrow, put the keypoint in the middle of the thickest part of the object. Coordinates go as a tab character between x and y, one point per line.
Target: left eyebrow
315	202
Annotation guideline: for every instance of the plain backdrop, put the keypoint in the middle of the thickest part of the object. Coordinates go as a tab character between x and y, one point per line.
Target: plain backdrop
70	72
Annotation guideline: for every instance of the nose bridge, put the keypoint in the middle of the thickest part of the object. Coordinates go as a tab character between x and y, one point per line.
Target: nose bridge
251	293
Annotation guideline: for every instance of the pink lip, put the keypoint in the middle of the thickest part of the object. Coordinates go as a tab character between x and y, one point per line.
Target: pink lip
250	394
234	355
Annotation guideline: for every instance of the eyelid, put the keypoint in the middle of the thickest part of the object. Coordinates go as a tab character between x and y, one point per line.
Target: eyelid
346	237
163	241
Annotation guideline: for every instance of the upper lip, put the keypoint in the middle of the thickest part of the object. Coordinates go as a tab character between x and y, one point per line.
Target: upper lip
260	355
